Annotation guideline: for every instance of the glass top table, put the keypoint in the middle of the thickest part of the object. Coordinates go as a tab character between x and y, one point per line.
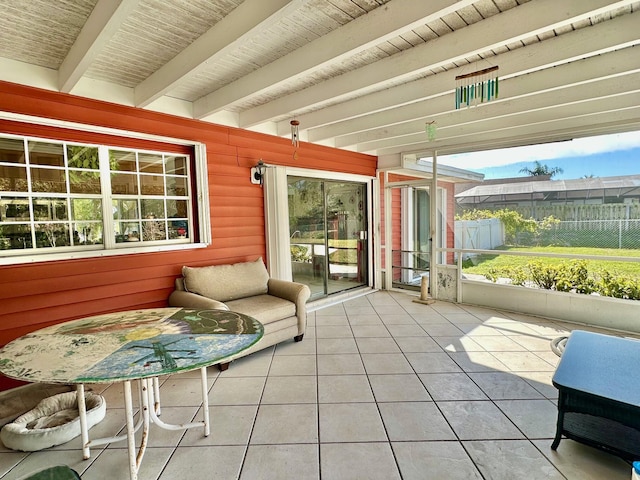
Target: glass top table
133	345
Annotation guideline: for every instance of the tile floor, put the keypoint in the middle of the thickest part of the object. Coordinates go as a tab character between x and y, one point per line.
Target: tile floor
380	388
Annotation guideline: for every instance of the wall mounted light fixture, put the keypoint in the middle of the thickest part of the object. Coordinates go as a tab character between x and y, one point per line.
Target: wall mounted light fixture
257	173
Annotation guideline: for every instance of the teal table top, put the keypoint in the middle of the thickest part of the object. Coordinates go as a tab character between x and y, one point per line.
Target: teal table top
129	345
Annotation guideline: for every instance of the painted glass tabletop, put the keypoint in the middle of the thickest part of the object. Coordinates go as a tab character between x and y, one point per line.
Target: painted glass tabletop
129	345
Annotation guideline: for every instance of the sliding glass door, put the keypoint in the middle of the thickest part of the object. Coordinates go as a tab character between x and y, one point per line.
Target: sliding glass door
328	230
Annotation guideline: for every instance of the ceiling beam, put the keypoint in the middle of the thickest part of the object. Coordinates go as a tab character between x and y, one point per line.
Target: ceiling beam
619	98
346	117
230	33
105	20
551	131
378	26
513	25
563	79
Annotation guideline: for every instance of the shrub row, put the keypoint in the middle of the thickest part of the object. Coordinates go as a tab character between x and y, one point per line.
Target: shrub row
571	276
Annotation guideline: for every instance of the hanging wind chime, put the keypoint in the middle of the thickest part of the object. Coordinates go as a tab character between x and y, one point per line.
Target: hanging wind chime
295	133
476	87
295	137
430	128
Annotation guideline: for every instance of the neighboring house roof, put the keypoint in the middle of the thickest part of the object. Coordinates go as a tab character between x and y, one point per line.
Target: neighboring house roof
622	186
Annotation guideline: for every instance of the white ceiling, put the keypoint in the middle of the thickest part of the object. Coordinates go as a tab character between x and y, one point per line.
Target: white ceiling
363	75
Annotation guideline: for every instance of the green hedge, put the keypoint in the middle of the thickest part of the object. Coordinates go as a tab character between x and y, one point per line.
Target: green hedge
571	276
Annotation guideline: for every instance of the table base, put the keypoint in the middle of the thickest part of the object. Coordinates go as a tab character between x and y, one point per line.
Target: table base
149	389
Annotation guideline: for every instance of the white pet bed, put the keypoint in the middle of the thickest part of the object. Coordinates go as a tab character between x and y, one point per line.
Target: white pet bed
53	421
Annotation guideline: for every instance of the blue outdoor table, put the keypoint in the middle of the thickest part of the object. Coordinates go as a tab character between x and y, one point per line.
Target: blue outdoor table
599	393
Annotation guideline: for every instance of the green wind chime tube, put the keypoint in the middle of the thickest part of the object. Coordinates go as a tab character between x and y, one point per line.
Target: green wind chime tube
476	87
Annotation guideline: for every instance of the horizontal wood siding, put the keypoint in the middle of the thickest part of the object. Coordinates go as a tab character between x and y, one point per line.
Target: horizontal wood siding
40	294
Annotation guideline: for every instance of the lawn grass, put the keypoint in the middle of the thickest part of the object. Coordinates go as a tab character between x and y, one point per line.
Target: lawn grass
483	263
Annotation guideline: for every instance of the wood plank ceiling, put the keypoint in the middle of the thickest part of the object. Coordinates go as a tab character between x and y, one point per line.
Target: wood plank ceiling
363	75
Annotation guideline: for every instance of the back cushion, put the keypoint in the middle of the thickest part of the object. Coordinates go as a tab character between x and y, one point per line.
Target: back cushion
227	282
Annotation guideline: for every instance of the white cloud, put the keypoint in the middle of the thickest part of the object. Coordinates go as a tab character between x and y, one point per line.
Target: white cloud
547	151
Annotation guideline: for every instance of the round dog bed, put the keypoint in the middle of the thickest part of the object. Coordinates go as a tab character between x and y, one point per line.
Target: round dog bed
53	421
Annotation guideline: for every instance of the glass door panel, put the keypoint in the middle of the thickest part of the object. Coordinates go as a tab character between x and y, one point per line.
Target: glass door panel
328	234
346	235
307	231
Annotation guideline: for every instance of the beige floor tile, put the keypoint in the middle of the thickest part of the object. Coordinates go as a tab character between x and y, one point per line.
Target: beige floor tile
398	388
340	364
327	346
280	424
237	391
524	361
575	460
377	345
344	389
333	331
230	425
113	463
214	462
414	421
354	310
434	460
397	318
379	363
306	347
505	386
534	418
458	344
291	389
281	462
418	345
477	362
406	331
501	343
293	365
541	381
511	459
442	330
350	422
432	363
180	392
328	320
478	420
369	319
451	386
358	461
370	331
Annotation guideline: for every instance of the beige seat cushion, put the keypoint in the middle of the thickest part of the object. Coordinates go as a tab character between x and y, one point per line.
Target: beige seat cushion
227	282
264	308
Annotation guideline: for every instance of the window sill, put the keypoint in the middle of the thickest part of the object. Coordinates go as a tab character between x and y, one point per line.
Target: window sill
24	259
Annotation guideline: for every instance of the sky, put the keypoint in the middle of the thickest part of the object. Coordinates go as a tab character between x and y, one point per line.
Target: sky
601	156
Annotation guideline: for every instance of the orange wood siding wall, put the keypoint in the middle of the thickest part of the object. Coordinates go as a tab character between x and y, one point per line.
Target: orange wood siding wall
39	294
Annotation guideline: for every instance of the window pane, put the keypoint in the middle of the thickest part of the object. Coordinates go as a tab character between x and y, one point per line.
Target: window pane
13	179
15	237
151	185
125	210
86	208
80	156
127	232
48	180
14	209
12	150
84	182
175	165
87	233
150	163
177	186
41	153
153	230
49	209
124	184
153	209
122	161
52	235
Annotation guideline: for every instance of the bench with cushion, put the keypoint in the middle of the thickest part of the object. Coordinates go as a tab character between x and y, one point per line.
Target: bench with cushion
246	287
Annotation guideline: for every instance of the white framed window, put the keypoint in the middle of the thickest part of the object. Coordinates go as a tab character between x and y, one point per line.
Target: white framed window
63	199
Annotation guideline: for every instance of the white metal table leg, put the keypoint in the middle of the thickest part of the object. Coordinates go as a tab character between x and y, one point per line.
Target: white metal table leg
205	400
82	413
131	439
156	392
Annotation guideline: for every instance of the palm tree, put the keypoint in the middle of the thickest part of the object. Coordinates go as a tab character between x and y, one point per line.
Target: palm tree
540	169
